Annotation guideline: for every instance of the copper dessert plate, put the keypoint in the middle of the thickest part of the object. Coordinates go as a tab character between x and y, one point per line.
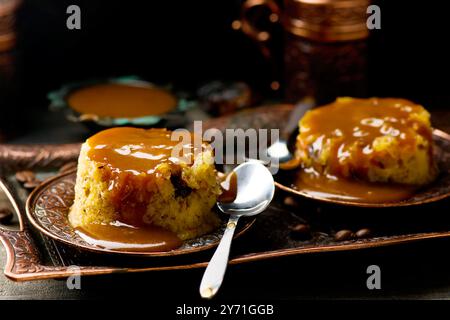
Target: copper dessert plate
436	191
48	205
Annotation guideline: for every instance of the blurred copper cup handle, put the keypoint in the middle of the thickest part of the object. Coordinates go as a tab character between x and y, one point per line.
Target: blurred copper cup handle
247	26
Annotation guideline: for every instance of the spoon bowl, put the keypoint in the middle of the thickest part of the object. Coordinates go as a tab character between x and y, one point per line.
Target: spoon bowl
255	191
282	148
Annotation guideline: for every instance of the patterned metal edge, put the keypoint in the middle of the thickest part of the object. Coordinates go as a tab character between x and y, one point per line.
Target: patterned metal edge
23	261
20	157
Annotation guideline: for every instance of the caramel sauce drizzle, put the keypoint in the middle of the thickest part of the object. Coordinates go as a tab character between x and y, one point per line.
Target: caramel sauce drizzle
229	188
121	237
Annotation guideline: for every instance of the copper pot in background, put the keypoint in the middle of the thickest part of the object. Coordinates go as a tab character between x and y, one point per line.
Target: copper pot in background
325	46
8	9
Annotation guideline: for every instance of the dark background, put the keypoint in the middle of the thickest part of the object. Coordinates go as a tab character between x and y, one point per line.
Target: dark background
188	43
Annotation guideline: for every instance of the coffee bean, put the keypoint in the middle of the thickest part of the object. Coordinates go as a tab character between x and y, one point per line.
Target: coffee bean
25	176
290	201
363	233
301	228
6	215
30	185
343	235
301	231
68	166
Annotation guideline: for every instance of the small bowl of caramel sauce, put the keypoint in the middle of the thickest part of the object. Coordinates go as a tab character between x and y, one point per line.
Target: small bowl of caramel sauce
127	101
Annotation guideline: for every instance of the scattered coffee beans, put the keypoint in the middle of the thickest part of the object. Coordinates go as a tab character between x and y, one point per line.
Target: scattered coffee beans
30	185
290	201
363	233
343	235
301	231
25	176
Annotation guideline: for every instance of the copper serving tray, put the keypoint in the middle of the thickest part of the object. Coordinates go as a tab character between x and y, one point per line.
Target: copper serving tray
31	255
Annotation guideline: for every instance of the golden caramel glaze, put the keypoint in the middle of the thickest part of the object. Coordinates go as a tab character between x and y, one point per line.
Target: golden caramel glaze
138	151
121	100
131	159
357	123
334	187
229	188
121	237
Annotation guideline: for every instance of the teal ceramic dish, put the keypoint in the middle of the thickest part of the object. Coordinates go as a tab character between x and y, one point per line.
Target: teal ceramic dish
59	102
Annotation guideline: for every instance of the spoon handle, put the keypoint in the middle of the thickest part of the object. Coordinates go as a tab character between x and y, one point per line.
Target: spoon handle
214	273
296	114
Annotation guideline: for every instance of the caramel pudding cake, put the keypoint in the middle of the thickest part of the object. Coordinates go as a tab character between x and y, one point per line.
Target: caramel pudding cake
377	149
131	189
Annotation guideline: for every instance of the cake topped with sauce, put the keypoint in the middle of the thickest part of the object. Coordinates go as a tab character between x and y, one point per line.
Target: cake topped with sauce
131	179
383	140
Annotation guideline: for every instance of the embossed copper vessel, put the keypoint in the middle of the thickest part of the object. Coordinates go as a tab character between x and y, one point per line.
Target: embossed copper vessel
7	23
327	20
324	45
8	82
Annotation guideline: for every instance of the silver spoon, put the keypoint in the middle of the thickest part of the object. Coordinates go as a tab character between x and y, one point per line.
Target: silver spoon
255	190
280	148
